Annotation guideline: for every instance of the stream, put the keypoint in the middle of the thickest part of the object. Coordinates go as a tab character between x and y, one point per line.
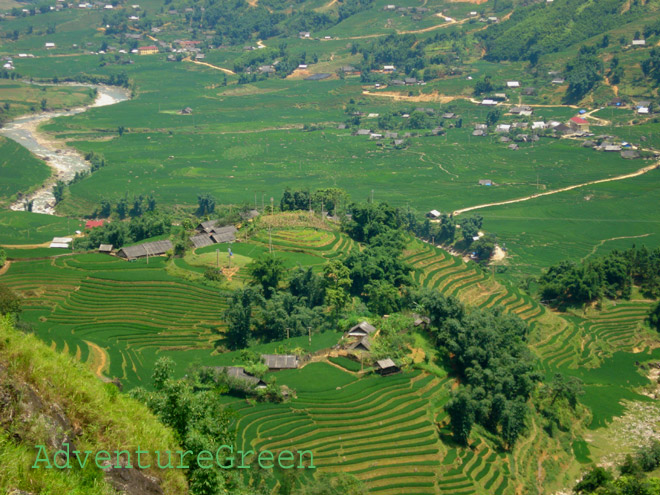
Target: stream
64	162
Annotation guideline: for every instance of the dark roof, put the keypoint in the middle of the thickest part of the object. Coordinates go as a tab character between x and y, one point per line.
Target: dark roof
280	362
238	373
362	344
363	328
154	248
250	214
207	226
201	240
224	234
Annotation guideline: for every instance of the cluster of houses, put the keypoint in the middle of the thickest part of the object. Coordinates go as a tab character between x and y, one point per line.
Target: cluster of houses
210	232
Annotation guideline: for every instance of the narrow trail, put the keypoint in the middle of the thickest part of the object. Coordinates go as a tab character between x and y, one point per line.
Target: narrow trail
226	71
641	171
422	156
600	243
99	358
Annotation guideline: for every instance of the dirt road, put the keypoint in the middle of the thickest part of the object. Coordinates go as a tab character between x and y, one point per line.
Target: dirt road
641	171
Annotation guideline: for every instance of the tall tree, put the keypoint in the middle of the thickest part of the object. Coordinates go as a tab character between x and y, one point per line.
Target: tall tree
461	410
239	318
338	282
267	271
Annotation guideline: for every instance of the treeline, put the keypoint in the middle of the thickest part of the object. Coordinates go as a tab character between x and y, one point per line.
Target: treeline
543	28
123	233
612	276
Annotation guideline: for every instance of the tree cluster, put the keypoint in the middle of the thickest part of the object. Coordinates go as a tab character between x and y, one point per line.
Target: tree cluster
612	276
124	233
488	352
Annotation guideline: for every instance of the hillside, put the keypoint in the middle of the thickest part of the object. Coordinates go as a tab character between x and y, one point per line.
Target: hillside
49	399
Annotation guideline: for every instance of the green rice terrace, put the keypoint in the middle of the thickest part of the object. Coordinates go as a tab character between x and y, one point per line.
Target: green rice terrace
119	317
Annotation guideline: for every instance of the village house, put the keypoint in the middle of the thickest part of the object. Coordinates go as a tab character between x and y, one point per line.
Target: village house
361	330
386	367
155	248
512	84
105	248
148	50
240	375
433	214
364	345
638	42
61	242
388	68
280	361
579	124
485	182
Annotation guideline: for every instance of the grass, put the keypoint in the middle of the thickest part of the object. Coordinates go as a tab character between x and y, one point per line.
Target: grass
22	227
107	420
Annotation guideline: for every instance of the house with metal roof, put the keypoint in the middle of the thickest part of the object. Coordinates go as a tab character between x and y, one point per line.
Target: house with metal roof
155	248
280	361
361	330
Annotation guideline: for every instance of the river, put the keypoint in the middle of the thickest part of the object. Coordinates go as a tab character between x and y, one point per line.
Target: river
63	161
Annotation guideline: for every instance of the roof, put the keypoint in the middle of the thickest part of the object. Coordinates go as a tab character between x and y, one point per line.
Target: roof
629	154
386	363
364	342
239	373
579	120
201	240
105	248
91	224
154	248
448	115
150	47
434	213
207	225
280	361
62	245
250	214
362	328
227	231
485	182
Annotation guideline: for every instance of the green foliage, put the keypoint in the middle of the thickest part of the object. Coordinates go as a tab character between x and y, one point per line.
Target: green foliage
654	316
582	74
3	257
205	204
593	480
337	281
541	28
333	484
125	233
267	272
239	318
470	228
213	274
611	276
192	408
461	410
58	191
484	247
10	302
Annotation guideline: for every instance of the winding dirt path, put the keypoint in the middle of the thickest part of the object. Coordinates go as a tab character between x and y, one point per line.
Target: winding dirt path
226	71
5	267
99	358
639	172
603	241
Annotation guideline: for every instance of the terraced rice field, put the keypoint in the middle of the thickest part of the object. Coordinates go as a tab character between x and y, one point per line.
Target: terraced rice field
102	309
326	244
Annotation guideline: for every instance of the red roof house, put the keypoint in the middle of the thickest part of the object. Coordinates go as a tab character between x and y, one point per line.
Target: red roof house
579	124
92	224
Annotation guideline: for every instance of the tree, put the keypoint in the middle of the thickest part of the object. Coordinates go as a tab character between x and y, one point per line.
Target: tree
163	371
582	74
44	104
267	271
593	480
106	208
562	387
58	191
334	484
137	210
151	203
3	257
205	204
120	130
122	208
513	421
338	282
484	247
493	116
461	413
239	318
306	285
10	303
654	317
483	86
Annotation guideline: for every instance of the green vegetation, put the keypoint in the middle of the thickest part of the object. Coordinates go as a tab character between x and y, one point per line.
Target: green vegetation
56	383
